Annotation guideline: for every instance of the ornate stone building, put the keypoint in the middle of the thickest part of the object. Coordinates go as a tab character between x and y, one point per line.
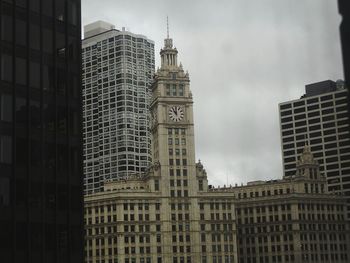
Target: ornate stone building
171	215
291	220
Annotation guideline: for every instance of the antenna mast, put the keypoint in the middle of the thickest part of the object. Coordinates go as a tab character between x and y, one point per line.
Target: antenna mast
167	26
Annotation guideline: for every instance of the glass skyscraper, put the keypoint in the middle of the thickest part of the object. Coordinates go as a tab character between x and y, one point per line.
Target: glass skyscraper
118	68
40	134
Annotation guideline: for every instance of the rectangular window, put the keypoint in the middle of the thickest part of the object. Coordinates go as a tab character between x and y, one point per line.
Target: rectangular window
34	5
47	7
168	90
6	107
34	75
6	67
5	149
181	90
6	27
21	71
156	185
72	13
4	191
21	32
174	90
200	185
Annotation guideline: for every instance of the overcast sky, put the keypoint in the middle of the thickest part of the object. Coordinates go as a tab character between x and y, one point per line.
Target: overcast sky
244	57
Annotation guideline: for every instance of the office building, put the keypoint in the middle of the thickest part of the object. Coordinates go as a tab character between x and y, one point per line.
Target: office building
171	215
118	67
292	219
320	119
40	136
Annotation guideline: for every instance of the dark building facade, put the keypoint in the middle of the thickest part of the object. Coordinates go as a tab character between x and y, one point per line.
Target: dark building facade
40	133
344	10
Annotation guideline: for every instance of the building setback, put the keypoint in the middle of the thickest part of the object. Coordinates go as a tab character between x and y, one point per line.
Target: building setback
118	67
171	215
319	118
41	196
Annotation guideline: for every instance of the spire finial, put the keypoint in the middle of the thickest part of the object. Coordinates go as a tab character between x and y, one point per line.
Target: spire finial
167	26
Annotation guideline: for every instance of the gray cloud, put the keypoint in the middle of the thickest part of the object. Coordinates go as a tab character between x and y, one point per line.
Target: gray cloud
244	57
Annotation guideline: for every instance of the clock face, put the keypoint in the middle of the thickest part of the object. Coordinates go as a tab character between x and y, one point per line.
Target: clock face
176	113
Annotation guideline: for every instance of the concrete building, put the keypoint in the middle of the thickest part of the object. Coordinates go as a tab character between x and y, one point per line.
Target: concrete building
171	215
319	118
117	72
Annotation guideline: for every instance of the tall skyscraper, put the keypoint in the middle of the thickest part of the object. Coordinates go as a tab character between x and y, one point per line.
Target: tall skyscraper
319	118
118	68
40	135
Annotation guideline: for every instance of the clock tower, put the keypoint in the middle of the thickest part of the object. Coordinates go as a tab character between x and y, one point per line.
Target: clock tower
175	172
172	126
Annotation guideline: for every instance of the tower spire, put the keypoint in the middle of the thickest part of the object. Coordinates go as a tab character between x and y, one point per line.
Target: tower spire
167	26
168	53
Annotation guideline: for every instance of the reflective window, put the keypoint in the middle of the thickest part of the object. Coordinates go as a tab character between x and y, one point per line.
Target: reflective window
47	7
4	191
61	82
21	152
62	120
73	85
72	12
5	149
6	28
48	77
34	75
6	107
74	125
35	114
21	71
21	3
34	36
35	154
34	5
60	14
47	40
6	67
21	110
21	32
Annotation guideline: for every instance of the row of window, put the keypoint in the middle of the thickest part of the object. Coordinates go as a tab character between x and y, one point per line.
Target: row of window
174	90
262	193
314	100
314	107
